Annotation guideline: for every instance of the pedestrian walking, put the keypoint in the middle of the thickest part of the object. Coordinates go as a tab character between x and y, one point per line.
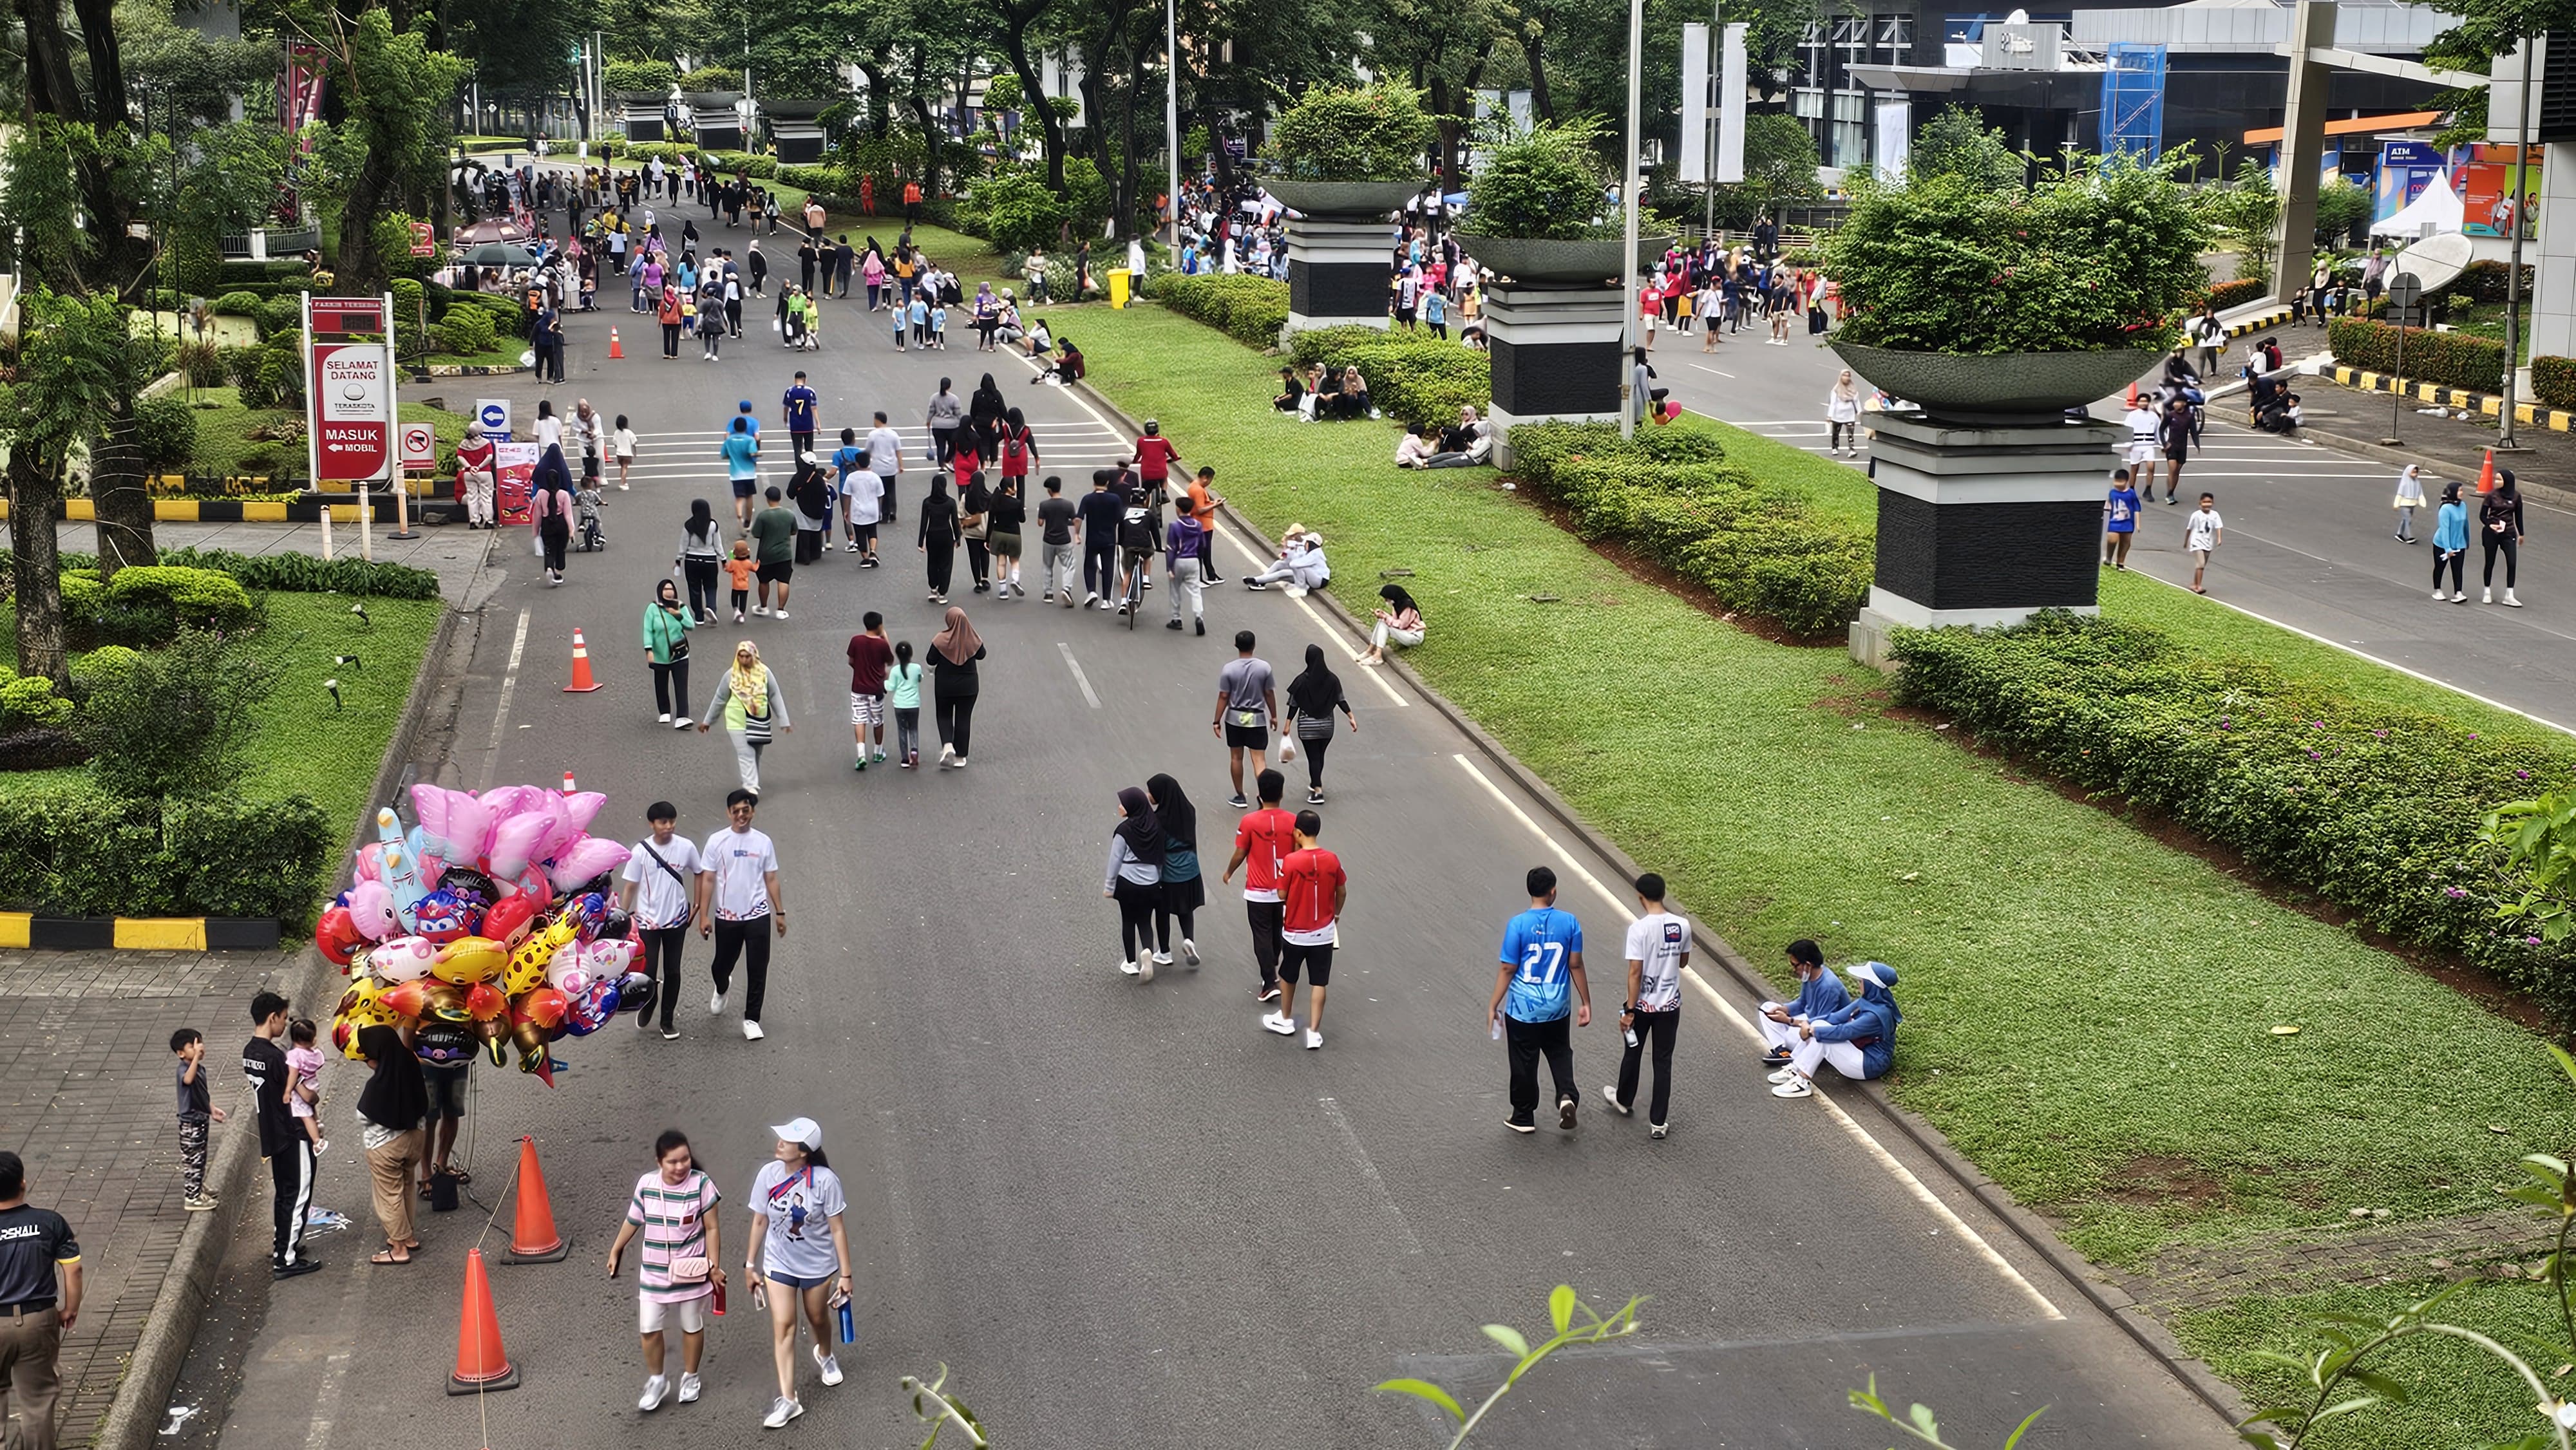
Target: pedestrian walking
885	459
1247	700
1842	416
2145	441
975	513
2500	531
1858	1040
679	1272
658	891
1184	887
391	1110
1538	990
1184	541
1203	501
36	1248
810	490
800	404
946	413
550	506
2410	497
701	559
2451	544
903	697
955	683
871	655
1313	889
752	707
1659	946
935	537
2173	437
739	905
197	1111
1102	511
1056	546
1263	840
799	1256
2207	335
2119	521
291	1160
1134	880
741	453
1006	514
1312	698
622	439
667	623
2201	536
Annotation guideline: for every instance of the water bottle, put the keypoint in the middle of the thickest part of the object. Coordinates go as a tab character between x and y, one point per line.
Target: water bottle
849	1325
719	1305
1632	1036
1498	1027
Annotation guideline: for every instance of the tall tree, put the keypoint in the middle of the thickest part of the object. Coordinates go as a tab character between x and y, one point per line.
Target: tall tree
396	98
72	364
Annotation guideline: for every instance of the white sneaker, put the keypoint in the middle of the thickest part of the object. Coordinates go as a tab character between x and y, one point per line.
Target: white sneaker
683	723
782	614
781	1411
1284	1026
1314	1039
1190	951
2510	602
2486	596
1162	959
761	610
689	1389
751	1031
1795	1087
1658	1130
654	1390
830	1366
1128	967
1610	1095
737	616
1090	598
662	719
2459	596
2439	596
715	1001
1779	1074
1144	966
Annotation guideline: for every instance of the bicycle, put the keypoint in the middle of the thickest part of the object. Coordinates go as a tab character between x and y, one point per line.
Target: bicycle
1132	599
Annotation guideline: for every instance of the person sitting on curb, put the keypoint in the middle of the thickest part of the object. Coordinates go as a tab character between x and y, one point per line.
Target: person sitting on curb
1301	564
1820	994
1859	1041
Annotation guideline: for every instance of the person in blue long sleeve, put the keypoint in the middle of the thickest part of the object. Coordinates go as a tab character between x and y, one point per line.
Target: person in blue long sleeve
1858	1041
2451	543
1820	993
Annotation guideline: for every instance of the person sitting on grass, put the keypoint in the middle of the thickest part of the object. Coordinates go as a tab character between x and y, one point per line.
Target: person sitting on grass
1820	993
1399	622
1355	394
1292	391
1858	1041
1417	447
1068	367
1301	564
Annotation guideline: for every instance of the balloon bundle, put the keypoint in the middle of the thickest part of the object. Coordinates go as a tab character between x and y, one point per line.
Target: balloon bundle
489	921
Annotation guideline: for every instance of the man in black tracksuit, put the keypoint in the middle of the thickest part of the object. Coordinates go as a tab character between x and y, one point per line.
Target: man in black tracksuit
288	1151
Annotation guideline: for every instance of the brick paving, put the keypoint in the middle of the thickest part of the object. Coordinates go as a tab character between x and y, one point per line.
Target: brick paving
85	1098
2500	1242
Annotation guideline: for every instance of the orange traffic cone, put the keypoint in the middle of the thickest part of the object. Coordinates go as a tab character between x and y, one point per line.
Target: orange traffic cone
2486	474
614	349
582	683
569	787
480	1363
2131	402
533	1239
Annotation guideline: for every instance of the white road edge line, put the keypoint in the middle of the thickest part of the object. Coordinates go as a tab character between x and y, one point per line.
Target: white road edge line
1079	677
1368	1170
1859	1134
509	684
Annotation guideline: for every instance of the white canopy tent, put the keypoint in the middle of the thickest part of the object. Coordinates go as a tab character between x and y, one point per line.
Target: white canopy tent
2438	207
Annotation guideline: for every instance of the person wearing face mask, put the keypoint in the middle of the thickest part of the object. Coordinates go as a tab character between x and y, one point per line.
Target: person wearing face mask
1820	993
1857	1040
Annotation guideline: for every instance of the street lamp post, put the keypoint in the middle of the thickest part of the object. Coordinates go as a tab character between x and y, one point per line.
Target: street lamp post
1631	195
2521	223
1171	119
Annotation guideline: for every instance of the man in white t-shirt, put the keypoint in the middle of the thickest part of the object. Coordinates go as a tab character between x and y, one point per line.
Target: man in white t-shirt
661	893
885	460
1659	946
2143	430
2200	534
737	900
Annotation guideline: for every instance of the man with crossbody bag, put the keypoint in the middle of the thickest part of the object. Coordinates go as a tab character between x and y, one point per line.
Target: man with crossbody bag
661	884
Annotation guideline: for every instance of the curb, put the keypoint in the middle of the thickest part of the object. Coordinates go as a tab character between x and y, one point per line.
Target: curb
2114	1303
138	933
133	1417
2556	420
305	510
2265	315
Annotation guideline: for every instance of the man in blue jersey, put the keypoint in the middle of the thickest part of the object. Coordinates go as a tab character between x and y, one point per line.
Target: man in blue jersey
1538	988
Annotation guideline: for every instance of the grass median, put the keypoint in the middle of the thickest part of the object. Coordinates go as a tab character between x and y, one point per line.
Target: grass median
2089	1012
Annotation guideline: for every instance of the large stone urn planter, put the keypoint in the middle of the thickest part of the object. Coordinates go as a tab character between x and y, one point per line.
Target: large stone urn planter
1554	319
2001	387
795	129
639	113
1547	262
1340	249
713	121
1344	198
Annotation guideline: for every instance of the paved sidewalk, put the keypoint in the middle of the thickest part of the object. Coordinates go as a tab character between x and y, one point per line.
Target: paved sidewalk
85	1094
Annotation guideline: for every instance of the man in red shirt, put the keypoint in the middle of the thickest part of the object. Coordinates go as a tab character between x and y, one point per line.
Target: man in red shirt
1313	888
870	658
1261	846
1154	457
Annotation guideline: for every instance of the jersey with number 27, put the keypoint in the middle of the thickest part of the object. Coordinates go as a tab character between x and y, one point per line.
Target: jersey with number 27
1540	945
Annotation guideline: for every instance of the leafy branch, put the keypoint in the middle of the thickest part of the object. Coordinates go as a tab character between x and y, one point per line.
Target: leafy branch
1918	1421
1563	1309
2538	841
932	1407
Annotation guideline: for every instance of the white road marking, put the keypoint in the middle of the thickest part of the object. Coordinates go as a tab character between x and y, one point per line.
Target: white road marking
501	716
1079	677
1886	1160
1368	1170
1703	367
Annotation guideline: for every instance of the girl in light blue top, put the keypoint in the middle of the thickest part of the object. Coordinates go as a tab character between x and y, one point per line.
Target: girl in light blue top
903	695
2451	543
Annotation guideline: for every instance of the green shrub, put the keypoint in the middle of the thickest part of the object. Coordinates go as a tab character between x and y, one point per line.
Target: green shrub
166	427
1249	309
711	78
1410	380
28	702
1351	133
172	723
279	573
279	314
202	363
466	332
83	594
146	604
237	304
1542	182
1674	498
2374	810
2485	281
2454	359
2223	295
103	665
73	850
1014	209
281	379
639	75
2553	381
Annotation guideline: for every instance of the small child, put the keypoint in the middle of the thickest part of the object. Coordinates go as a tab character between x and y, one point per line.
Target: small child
920	312
903	695
939	327
587	502
896	312
196	1109
304	1088
624	443
740	568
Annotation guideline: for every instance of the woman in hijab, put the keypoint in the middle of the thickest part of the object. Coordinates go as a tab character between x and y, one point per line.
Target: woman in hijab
810	489
935	537
1858	1041
1312	698
666	648
1399	620
1184	892
975	511
752	706
985	410
1134	879
2410	497
550	505
390	1110
701	558
953	653
2500	529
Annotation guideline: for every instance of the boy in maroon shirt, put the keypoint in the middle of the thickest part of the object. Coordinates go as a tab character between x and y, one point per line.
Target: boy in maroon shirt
870	657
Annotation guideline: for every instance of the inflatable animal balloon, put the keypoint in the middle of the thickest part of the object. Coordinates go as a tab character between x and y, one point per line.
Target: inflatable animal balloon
371	908
441	917
494	1034
545	1006
471	960
406	999
467	882
402	868
337	937
507	921
612	956
531	1042
371	862
592	1009
582	859
515	842
447	1003
635	993
404	959
580	808
484	1002
454	826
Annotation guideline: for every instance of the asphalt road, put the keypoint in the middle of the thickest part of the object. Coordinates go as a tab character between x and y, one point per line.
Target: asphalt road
1123	1213
2309	541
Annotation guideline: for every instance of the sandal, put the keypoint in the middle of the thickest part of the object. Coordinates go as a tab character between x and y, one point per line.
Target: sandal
386	1256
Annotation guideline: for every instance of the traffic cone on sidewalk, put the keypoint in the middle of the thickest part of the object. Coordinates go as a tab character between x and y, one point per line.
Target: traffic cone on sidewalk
582	683
481	1364
615	349
2131	402
2486	473
533	1239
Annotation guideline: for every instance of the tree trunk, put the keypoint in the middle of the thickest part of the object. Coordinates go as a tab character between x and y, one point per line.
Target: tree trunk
118	499
1534	50
1033	100
930	133
358	270
34	562
1130	181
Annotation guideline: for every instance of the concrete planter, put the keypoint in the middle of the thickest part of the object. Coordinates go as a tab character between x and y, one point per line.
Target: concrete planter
804	110
1546	261
711	100
1344	198
2004	387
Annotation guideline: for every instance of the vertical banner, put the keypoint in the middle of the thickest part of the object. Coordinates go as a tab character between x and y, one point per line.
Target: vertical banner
514	470
1895	139
1693	157
349	388
1731	81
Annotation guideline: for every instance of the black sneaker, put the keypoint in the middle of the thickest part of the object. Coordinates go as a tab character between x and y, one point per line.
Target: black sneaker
1175	624
1565	1111
1238	802
1517	1126
1256	586
296	1270
1268	993
1314	797
1776	1057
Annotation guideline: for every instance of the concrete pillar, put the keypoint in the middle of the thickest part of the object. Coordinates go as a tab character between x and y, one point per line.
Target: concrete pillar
1337	269
2303	136
1555	354
2553	255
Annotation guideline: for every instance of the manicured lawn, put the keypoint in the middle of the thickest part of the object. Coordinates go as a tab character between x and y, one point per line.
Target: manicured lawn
2088	1011
224	427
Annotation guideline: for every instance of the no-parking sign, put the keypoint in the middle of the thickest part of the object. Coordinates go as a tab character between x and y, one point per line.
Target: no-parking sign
494	415
419	448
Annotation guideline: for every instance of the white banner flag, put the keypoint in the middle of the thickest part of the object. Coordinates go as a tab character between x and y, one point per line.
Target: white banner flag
1895	139
1693	158
1730	106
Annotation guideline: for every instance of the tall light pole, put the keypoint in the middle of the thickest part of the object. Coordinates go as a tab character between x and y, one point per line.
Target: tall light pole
1630	195
1172	115
2521	222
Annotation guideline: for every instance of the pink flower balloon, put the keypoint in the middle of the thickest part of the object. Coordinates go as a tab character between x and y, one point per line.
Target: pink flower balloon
454	825
583	858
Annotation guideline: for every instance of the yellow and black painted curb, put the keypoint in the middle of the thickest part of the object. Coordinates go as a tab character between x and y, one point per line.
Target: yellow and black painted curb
2273	316
2557	420
306	510
137	933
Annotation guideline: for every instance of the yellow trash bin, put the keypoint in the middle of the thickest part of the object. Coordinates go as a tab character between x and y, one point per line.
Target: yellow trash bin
1117	286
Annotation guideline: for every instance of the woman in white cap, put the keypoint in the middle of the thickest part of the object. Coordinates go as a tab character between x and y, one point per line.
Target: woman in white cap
800	1253
1857	1040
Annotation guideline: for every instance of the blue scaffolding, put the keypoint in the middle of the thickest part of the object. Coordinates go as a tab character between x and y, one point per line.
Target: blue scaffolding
2133	99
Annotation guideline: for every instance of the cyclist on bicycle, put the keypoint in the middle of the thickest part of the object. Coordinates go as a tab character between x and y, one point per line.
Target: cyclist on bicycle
1136	546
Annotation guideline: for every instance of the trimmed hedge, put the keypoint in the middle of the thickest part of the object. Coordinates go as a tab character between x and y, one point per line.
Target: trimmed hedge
2485	281
2454	359
77	851
2373	809
1249	309
1412	380
285	573
1671	495
2223	295
2553	381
